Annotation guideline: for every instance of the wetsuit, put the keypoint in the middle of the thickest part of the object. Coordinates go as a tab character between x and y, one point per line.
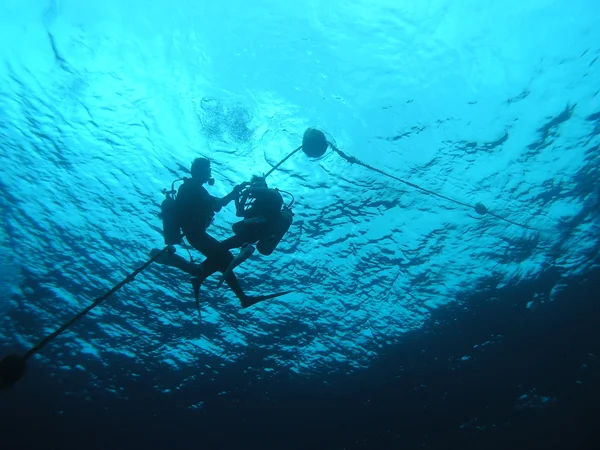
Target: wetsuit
196	209
261	209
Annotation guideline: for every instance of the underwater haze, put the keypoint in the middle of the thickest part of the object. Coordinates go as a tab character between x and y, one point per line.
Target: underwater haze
399	283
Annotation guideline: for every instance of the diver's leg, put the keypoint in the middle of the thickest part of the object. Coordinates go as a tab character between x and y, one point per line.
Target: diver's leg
211	266
218	259
218	256
250	230
246	233
174	260
208	268
235	241
234	285
245	252
248	300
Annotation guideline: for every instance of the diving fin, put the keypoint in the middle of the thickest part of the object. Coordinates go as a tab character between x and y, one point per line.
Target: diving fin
245	253
250	300
196	284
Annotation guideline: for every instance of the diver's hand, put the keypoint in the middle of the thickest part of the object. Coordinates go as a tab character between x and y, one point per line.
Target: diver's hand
240	187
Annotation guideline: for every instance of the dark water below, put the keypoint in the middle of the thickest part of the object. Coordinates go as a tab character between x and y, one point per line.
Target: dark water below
533	381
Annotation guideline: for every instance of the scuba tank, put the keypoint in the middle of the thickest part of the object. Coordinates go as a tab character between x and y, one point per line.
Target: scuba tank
267	246
170	217
281	226
169	214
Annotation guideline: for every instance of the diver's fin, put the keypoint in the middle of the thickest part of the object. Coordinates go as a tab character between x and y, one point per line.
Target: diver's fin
196	284
253	300
245	253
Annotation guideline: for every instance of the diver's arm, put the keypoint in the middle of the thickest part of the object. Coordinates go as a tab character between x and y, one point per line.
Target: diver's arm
227	199
233	195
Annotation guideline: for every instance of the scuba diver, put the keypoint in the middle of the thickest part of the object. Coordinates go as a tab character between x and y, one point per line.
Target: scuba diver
265	221
192	211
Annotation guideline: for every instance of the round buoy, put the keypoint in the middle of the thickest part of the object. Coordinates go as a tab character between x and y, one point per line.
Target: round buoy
481	209
314	143
12	369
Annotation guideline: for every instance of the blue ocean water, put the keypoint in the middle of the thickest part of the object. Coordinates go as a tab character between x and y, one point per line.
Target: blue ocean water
104	104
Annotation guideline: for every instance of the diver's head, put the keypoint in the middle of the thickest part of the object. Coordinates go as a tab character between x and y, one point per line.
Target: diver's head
201	170
258	181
